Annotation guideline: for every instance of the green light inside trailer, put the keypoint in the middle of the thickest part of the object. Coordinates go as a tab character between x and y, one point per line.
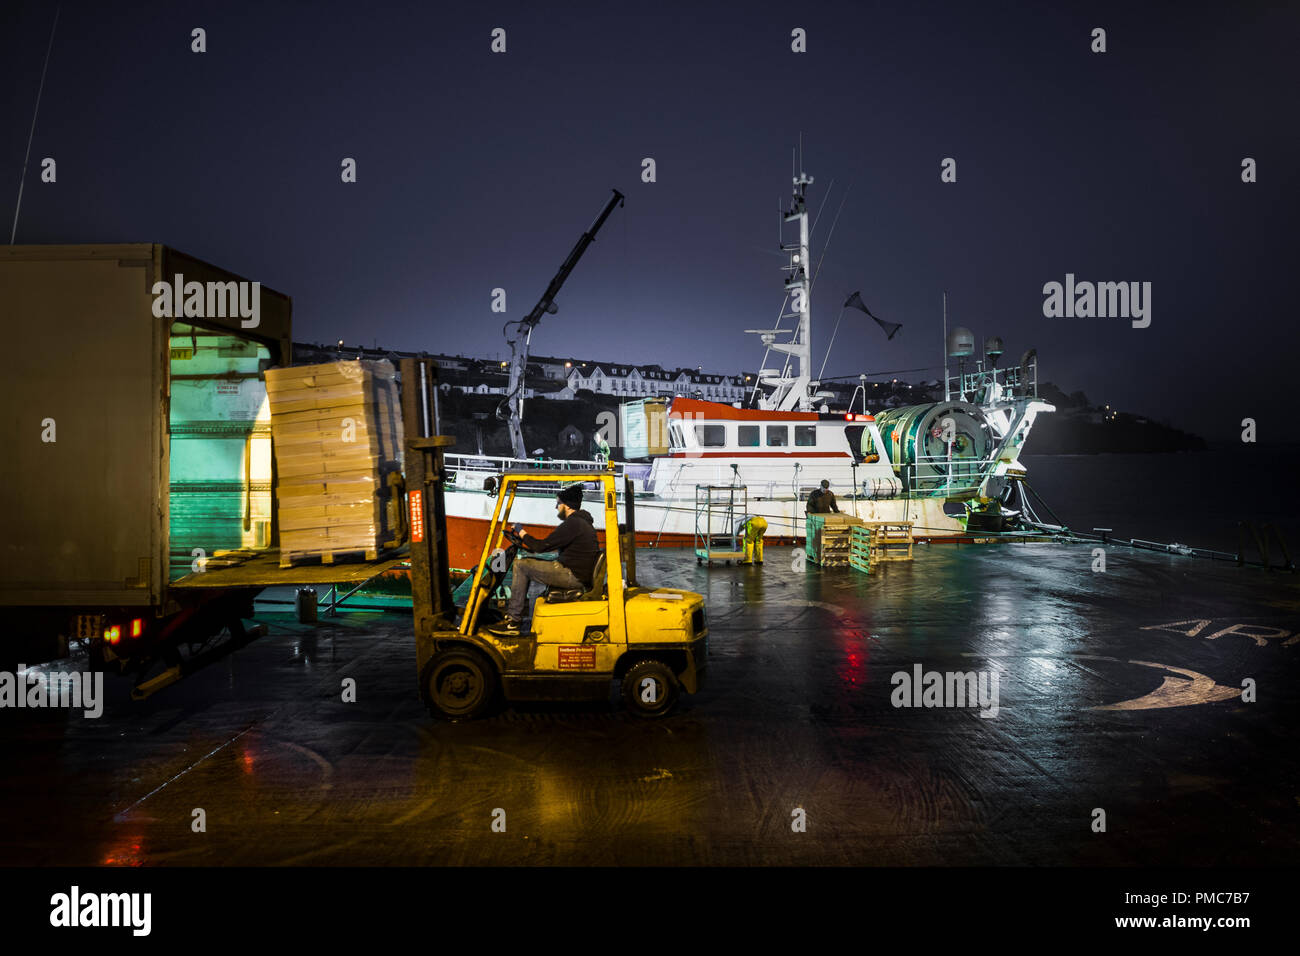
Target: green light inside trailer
220	446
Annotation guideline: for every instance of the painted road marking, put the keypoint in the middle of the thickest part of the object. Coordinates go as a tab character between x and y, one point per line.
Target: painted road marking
1191	688
1193	627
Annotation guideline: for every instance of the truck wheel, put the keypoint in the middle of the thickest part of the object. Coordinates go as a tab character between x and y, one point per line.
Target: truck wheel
460	685
650	689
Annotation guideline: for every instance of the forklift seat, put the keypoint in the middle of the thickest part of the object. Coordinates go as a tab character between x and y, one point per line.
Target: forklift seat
594	593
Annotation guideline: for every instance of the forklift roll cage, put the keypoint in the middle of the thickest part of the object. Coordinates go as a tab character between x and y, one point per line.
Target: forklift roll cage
619	547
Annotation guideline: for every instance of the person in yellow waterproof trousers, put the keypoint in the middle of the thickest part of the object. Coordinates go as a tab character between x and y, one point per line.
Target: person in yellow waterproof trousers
753	530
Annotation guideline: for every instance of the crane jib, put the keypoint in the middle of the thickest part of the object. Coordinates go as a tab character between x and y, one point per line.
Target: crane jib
519	351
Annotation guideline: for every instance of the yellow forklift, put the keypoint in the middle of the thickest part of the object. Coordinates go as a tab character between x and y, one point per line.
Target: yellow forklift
654	641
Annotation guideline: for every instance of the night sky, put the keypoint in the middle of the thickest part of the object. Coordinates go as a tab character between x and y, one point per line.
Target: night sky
478	170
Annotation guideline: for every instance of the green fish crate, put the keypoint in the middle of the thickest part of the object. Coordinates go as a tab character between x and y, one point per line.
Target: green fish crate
860	549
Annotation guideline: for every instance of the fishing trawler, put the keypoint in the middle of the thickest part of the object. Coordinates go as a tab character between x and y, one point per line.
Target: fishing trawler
951	468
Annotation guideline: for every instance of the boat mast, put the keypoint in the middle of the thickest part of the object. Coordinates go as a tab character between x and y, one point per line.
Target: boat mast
793	391
945	345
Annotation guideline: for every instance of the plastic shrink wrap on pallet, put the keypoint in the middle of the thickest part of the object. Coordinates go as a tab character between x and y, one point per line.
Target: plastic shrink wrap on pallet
337	433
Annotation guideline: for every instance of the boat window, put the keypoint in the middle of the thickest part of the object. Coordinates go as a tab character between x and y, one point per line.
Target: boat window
747	436
711	436
778	436
805	435
675	435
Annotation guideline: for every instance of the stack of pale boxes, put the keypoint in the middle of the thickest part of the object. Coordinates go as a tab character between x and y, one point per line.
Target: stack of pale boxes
337	433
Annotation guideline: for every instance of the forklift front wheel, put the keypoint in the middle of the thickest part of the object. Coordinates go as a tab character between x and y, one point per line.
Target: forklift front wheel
650	689
461	684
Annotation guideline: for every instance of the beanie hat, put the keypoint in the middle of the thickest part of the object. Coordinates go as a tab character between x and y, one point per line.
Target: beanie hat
571	495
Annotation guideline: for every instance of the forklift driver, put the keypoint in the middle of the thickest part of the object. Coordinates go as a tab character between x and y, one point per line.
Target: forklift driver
575	539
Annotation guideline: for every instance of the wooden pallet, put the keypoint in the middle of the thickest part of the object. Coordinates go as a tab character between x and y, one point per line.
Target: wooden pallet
890	540
827	538
834	550
289	559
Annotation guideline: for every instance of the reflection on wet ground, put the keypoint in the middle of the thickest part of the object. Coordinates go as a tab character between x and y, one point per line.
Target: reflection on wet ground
797	723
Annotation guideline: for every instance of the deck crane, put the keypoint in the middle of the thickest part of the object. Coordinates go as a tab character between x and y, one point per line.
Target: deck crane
511	408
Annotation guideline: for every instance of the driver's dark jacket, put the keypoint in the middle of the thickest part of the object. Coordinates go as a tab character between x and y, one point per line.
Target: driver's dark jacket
575	539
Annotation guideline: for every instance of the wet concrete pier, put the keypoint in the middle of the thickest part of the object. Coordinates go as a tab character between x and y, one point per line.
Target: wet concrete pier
794	752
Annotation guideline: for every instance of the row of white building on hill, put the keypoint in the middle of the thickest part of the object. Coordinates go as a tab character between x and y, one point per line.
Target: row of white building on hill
558	378
650	381
569	376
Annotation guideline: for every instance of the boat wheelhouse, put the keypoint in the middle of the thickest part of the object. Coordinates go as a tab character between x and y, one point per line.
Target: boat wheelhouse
774	453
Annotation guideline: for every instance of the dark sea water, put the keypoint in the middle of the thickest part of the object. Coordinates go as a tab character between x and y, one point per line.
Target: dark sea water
1194	498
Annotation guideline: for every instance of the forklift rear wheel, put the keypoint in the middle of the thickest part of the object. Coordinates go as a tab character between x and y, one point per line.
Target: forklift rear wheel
650	689
461	684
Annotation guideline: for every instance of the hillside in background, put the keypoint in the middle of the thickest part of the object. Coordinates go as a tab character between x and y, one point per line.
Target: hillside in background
1080	428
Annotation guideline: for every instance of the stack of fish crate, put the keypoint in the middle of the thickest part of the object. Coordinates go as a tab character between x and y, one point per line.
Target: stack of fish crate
827	538
890	540
337	433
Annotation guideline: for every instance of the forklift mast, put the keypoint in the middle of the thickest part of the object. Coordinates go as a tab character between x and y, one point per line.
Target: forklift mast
431	599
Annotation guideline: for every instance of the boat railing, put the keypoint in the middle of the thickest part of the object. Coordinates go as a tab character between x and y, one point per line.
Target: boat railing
471	471
932	475
1017	381
495	464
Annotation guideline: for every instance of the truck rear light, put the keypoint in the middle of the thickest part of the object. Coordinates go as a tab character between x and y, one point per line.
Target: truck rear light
137	626
113	634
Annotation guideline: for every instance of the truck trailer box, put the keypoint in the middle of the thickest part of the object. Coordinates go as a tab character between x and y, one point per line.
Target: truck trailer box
135	422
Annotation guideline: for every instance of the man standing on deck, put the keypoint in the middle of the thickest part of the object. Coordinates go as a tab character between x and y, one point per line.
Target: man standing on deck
822	500
575	539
